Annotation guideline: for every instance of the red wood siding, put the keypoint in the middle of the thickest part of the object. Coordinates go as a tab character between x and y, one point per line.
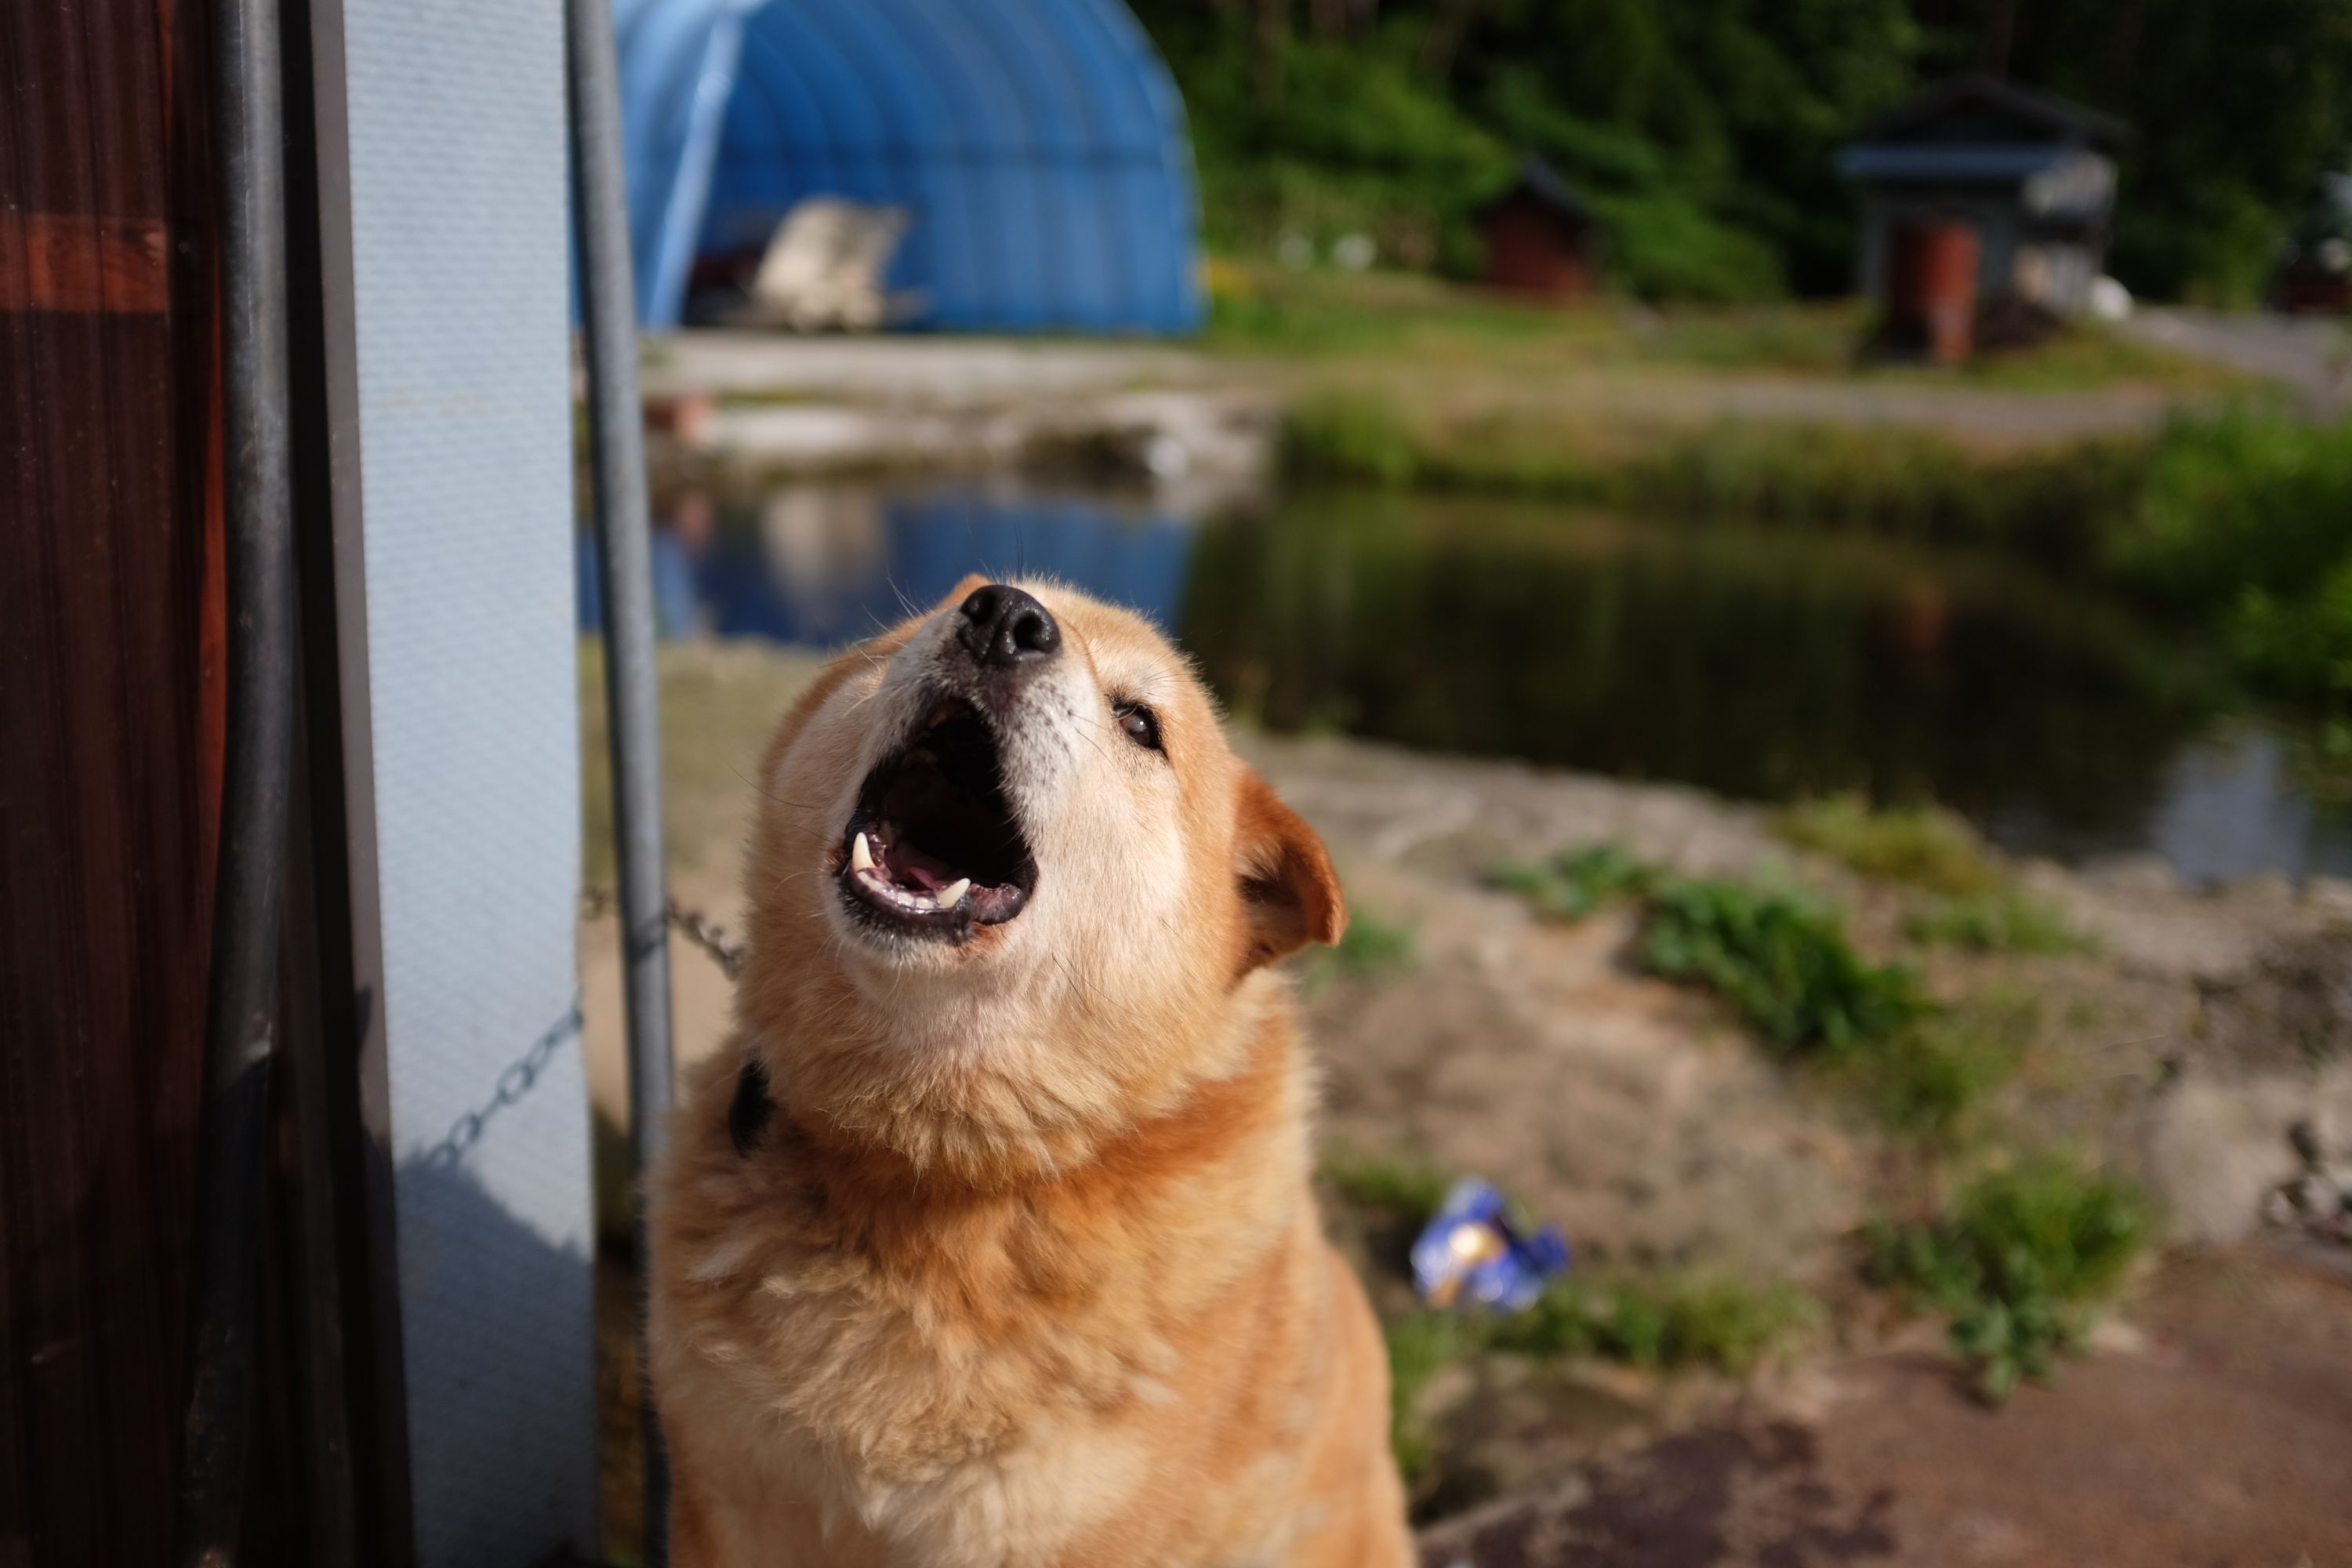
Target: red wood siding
111	642
1532	251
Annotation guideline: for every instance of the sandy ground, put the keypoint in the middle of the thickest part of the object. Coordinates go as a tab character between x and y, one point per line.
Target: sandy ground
1638	1116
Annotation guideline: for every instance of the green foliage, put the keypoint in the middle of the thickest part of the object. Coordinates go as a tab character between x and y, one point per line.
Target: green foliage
1572	885
1353	140
1922	847
2235	518
1782	960
1663	1321
2298	644
2246	516
1421	323
1785	962
1420	1345
2015	1262
1266	310
1703	132
2244	498
1820	477
2003	921
1405	1188
1666	1320
1927	1079
1667	248
1669	1320
1706	131
1371	949
2235	107
1340	434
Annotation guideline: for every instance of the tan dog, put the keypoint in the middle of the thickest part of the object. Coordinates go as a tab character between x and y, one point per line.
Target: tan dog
991	1243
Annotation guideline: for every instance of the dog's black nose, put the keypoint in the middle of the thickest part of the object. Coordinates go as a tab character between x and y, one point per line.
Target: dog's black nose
1004	628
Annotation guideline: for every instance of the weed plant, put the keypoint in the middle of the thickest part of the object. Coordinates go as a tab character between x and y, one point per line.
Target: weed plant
1782	960
1664	1319
1785	964
2017	1263
2005	921
1920	847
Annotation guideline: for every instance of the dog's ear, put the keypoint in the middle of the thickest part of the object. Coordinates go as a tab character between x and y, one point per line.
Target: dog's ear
1290	895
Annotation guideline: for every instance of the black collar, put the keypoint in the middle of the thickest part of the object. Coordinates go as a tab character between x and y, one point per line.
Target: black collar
748	1113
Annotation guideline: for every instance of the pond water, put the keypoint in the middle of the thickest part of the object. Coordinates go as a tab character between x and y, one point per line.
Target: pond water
1765	665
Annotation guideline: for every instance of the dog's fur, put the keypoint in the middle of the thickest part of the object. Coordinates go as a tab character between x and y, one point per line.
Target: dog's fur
1011	1259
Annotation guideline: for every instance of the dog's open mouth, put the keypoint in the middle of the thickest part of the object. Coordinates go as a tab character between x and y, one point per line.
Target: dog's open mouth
933	848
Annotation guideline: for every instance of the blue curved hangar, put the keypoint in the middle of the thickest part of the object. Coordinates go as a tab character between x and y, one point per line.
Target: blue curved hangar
1031	155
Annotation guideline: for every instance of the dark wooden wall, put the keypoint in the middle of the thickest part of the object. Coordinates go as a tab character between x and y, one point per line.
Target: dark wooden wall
111	640
1531	250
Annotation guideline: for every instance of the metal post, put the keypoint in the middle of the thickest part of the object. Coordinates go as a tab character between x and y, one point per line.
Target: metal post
241	999
616	449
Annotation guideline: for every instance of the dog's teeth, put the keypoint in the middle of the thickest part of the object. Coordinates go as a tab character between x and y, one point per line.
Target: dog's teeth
887	833
861	858
952	894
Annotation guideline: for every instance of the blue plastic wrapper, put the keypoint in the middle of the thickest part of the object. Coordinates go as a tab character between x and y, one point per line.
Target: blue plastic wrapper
1470	1251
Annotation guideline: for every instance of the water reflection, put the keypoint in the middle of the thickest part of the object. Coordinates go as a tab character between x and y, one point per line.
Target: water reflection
824	565
2229	803
1763	665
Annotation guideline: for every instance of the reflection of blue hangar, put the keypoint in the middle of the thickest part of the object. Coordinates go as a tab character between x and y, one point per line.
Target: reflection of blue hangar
1038	145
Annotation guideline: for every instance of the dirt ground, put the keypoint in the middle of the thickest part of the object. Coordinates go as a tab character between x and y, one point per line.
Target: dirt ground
2214	1431
2215	1423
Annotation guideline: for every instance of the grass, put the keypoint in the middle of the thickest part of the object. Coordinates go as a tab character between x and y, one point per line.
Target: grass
1423	322
1666	1320
1373	948
1975	907
1420	1345
1403	1187
1929	1078
1779	957
1669	1320
2018	1262
1784	963
1874	480
1573	884
1782	960
1662	1319
1920	847
2003	921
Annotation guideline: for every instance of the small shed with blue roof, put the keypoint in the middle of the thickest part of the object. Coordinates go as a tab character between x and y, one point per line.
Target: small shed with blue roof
2031	173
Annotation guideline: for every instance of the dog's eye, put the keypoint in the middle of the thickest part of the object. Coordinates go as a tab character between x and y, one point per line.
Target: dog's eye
1138	723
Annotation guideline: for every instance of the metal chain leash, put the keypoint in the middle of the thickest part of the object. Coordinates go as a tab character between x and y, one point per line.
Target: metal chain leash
513	1084
521	1074
727	952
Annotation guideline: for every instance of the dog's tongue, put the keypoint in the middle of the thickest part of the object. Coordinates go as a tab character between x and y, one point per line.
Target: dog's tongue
909	867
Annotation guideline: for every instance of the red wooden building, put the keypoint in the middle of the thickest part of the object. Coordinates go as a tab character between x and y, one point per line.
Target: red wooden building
1541	240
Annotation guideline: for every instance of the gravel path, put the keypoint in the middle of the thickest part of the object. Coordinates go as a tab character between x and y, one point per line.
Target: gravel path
2312	354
